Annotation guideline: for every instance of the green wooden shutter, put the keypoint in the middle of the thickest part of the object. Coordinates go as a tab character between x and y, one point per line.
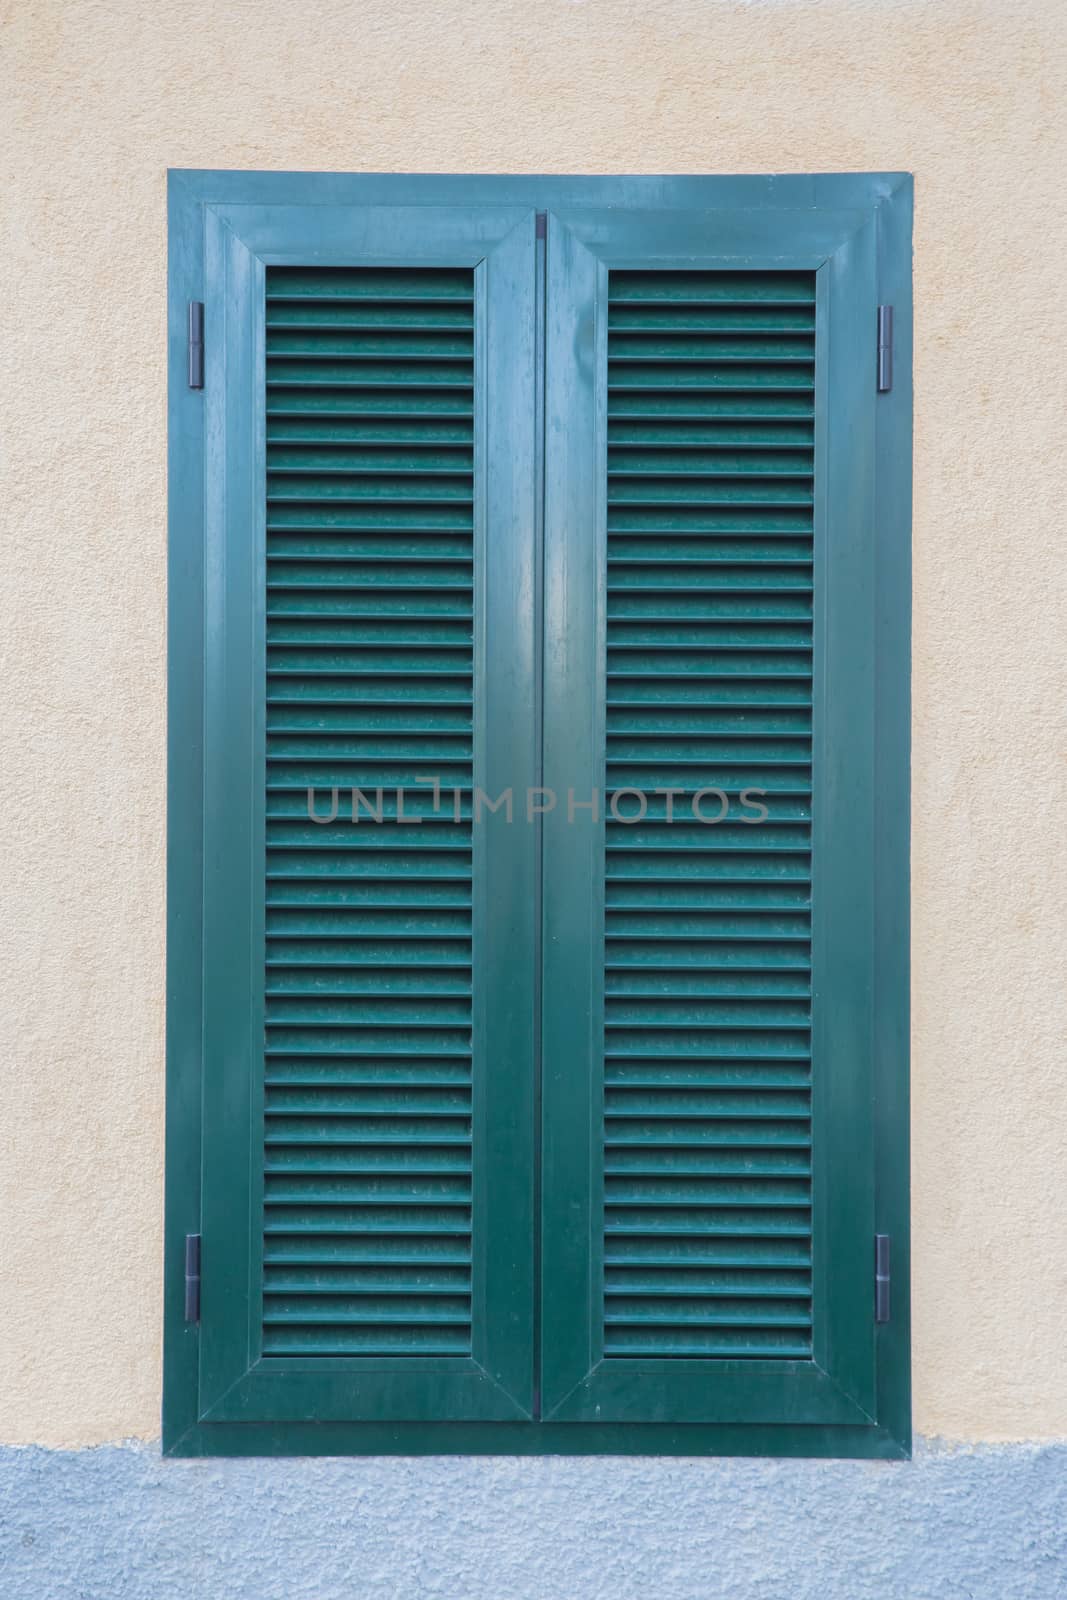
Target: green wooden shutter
575	1133
709	1157
369	1076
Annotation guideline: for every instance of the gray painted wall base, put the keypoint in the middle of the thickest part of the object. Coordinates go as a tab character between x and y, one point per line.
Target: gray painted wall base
117	1523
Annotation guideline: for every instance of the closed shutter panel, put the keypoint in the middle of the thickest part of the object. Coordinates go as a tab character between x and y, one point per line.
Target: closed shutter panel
707	974
370	461
369	981
708	1171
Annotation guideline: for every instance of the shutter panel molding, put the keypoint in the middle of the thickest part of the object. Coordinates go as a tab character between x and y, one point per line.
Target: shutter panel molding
506	1132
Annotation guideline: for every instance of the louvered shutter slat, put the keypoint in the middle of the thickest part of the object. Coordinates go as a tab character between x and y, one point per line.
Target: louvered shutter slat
367	1151
707	955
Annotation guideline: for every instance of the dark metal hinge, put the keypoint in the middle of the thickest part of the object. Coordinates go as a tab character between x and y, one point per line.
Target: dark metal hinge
881	1277
885	349
192	1277
541	225
196	344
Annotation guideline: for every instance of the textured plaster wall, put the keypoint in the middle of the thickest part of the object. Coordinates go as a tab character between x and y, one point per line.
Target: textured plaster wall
98	98
119	1524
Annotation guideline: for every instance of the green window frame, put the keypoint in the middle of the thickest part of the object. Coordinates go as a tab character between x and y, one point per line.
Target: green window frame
536	1378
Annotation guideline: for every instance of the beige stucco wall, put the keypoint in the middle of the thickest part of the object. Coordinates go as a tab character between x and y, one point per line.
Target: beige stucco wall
98	99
